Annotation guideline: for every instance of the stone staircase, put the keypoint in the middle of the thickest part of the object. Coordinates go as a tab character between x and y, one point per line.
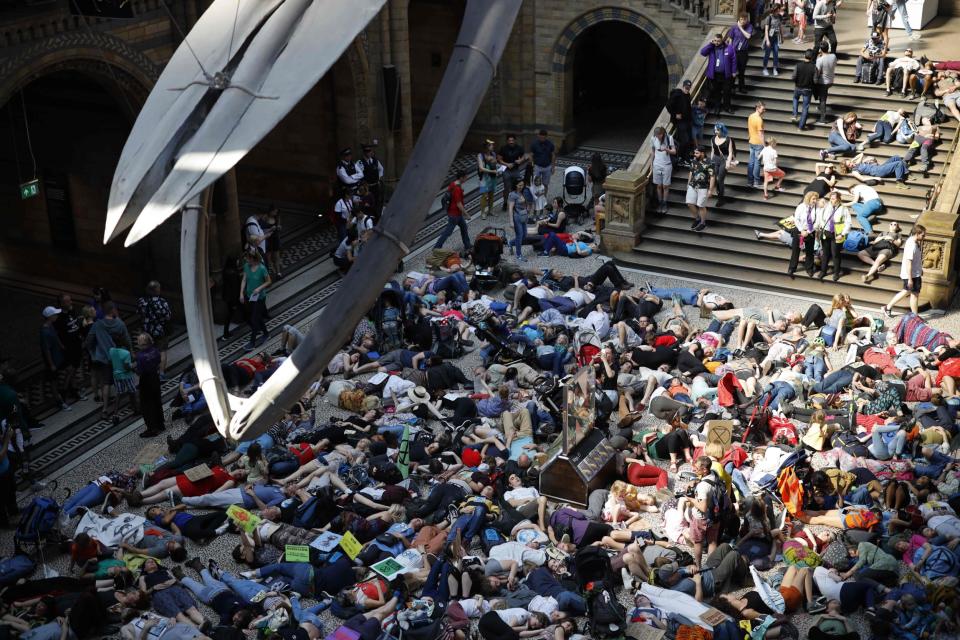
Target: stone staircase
727	251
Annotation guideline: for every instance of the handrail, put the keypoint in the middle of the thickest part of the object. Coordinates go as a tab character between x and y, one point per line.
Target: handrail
945	194
696	74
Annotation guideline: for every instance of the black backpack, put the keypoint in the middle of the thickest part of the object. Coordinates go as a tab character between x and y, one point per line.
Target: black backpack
608	618
593	565
445	200
720	505
850	444
447	343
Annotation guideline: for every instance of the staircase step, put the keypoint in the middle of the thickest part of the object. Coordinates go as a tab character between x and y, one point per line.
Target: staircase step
755	271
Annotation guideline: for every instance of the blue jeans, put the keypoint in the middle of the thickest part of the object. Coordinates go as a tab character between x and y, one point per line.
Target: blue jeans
778	392
774	49
882	131
688	295
437	586
456	282
520	232
89	496
839	144
835	382
885	450
806	94
552	241
554	362
754	165
814	367
208	589
468	525
264	440
298	574
894	166
860	495
572	603
901	6
864	211
309	614
566	306
725	329
246	589
452	223
49	631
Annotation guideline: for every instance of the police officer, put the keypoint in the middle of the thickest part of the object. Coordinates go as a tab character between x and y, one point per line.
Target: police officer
372	172
348	173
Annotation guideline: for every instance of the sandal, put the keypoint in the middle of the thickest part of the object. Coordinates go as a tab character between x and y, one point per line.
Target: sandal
673	467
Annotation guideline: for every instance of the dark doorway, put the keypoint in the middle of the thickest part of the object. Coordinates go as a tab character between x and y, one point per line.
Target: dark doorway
619	85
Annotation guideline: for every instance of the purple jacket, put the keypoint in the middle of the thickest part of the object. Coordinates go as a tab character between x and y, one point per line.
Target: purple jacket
739	41
721	61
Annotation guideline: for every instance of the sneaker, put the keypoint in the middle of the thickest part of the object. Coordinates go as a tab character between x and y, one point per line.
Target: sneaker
888	93
886	311
700	227
248	574
794	119
177	573
66	407
915	36
696	221
775	72
817	605
823	155
766	73
215	569
756	233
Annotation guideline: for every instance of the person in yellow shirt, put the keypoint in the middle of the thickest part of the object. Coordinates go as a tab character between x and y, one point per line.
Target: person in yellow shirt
755	138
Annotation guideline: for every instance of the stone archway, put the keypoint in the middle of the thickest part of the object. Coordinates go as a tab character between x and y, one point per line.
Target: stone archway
564	53
120	68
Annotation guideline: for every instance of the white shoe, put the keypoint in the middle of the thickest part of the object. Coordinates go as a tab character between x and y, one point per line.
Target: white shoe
775	72
915	36
765	72
248	574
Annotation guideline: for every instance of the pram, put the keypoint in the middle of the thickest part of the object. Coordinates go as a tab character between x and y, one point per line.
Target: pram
487	249
786	485
388	317
575	193
502	352
587	345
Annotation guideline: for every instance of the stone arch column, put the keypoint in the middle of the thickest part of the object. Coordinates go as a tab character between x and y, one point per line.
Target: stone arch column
562	58
121	69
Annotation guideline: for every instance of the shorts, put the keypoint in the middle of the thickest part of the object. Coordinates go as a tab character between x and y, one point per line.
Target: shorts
697	197
101	374
951	97
917	390
663	175
792	599
124	385
917	283
775	174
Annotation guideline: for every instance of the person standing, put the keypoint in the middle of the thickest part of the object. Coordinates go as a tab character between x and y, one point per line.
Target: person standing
804	80
487	172
68	327
723	156
52	351
805	218
511	155
155	315
721	67
517	205
911	271
826	70
597	176
740	36
824	17
105	334
544	155
664	151
833	226
771	171
772	37
343	213
151	400
680	109
254	281
372	172
456	214
699	185
755	135
348	176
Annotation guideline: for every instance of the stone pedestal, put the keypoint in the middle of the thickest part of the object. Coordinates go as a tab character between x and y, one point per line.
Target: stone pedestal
625	210
939	249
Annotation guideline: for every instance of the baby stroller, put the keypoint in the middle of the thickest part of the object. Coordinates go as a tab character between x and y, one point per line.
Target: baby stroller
587	345
388	317
575	193
487	249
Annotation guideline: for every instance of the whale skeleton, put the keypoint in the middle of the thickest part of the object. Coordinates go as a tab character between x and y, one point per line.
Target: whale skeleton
223	91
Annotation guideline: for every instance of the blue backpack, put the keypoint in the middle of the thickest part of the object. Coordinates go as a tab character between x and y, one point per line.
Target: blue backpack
829	333
14	568
855	241
39	520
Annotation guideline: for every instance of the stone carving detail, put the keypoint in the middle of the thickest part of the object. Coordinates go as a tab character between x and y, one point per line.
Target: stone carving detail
725	7
619	210
933	252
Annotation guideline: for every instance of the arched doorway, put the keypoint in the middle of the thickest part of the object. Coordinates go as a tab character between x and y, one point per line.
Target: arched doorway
620	83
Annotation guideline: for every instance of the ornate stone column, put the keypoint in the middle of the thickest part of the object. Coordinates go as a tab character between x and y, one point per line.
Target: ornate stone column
939	250
625	210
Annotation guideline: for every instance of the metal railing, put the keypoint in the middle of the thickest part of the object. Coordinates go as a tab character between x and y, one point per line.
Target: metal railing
945	194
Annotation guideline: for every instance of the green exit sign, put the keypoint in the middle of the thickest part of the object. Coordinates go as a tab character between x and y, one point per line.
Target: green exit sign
29	189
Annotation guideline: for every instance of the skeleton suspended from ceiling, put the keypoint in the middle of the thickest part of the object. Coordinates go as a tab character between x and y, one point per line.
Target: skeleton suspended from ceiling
240	70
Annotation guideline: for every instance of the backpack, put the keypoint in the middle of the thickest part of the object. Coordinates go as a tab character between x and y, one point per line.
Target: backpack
849	443
491	537
446	343
592	565
829	333
932	112
608	618
941	562
446	199
720	504
855	241
37	521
